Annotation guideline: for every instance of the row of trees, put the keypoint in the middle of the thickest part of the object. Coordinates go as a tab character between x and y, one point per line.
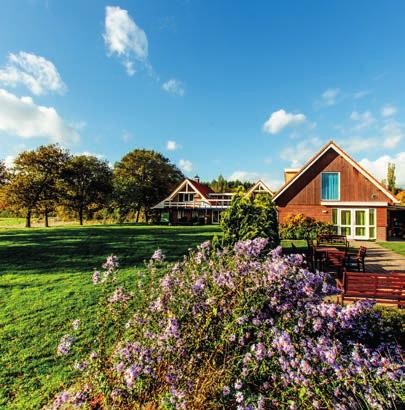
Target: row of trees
50	177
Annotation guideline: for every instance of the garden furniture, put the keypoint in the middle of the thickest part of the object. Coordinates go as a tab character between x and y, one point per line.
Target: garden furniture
357	259
383	288
332	240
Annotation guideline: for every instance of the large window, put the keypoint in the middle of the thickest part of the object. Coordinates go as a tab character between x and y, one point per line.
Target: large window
355	223
186	197
330	186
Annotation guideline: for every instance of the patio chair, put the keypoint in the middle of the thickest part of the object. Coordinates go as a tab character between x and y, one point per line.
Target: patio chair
357	259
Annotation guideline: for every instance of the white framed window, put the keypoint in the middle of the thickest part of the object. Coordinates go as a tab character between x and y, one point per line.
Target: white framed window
355	223
330	186
186	196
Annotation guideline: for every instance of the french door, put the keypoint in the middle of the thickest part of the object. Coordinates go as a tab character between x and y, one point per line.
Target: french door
355	223
215	217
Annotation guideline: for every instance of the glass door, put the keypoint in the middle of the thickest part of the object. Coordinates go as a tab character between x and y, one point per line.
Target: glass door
345	222
360	228
355	223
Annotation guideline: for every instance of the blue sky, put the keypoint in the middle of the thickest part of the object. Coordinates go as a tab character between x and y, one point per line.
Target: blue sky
242	89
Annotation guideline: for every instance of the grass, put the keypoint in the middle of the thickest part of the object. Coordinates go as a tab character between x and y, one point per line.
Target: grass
45	283
398	247
6	222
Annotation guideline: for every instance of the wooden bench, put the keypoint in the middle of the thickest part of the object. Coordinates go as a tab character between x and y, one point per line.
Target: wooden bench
332	240
383	288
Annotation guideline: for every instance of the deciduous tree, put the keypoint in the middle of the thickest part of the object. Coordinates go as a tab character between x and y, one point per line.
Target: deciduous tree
87	183
35	179
142	178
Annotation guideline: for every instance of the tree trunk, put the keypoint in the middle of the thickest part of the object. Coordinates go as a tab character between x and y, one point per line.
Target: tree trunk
81	216
28	219
46	219
138	211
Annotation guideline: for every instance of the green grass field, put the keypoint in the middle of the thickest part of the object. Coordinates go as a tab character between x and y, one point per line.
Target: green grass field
398	247
45	283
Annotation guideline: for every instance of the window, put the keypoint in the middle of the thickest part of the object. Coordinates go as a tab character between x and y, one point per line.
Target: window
185	197
330	186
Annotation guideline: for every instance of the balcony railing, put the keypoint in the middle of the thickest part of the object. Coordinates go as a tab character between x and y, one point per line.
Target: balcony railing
221	204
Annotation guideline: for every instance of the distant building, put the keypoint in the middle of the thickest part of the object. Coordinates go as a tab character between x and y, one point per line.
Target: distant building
194	202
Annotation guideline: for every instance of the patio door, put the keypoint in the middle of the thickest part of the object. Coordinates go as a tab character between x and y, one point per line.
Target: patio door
215	217
355	223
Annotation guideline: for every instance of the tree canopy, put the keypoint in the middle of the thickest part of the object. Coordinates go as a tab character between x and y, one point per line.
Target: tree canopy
142	178
35	180
87	183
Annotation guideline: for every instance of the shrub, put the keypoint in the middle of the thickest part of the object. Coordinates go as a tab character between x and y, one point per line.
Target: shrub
238	329
300	226
248	218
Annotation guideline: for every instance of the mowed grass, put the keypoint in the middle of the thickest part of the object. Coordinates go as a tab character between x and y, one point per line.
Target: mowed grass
45	283
398	247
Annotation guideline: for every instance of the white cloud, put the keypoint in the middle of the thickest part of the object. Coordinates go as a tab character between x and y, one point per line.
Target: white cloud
174	86
124	38
299	153
185	165
378	167
252	176
392	134
9	161
23	118
363	120
172	145
281	119
91	154
330	95
361	94
388	110
37	73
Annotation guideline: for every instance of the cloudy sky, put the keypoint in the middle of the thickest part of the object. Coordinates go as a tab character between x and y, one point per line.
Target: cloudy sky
242	89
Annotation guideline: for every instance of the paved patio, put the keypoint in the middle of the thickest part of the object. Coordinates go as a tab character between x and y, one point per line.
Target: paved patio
379	259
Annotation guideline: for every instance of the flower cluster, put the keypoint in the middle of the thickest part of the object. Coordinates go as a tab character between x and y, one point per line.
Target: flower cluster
245	328
65	345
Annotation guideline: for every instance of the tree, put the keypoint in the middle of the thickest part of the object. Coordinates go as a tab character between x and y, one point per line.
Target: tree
249	218
87	183
142	178
3	173
35	180
391	179
222	185
401	197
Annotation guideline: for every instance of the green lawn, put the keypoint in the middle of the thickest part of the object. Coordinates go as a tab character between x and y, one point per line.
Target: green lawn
45	283
398	247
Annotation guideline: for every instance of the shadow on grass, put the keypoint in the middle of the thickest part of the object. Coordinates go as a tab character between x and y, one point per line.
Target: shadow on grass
78	249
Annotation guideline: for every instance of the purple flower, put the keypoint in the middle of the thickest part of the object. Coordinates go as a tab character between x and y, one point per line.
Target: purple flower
226	390
96	277
238	384
65	345
157	256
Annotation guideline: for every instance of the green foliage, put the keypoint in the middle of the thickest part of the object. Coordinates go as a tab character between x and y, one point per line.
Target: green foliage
45	283
391	179
87	183
35	180
222	185
142	178
300	226
250	217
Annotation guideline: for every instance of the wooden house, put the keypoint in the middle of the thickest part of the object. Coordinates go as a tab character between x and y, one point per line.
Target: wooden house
194	202
332	187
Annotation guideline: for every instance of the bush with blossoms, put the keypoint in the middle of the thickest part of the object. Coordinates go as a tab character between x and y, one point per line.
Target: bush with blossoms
239	328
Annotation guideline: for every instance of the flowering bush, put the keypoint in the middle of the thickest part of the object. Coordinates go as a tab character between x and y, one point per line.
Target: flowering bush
300	226
242	328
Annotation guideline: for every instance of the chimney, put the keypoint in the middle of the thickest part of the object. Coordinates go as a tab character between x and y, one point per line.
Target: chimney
197	178
290	173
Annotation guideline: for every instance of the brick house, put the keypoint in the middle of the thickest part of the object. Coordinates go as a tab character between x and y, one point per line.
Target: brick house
332	187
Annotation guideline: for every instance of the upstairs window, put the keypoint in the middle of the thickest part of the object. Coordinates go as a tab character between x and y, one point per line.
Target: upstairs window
330	186
186	197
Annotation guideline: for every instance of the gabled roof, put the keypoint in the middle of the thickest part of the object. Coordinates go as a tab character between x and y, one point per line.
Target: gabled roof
260	186
203	190
339	151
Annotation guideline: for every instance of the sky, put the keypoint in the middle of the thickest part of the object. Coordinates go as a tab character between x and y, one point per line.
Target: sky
239	88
